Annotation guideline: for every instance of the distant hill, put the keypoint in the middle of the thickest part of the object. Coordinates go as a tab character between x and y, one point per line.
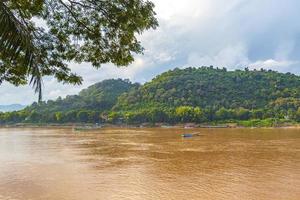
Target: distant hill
97	98
12	107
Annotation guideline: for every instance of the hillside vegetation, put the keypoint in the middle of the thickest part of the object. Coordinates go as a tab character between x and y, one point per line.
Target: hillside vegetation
84	107
213	88
99	97
198	95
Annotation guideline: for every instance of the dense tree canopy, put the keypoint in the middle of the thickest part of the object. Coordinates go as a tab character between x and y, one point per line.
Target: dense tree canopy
102	31
98	98
212	94
207	87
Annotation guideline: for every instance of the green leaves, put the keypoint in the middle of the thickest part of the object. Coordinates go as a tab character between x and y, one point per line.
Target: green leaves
100	31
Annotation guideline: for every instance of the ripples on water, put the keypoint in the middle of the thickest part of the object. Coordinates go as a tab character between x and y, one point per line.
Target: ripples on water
58	164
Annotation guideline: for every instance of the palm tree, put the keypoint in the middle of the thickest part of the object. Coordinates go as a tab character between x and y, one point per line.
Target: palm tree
16	42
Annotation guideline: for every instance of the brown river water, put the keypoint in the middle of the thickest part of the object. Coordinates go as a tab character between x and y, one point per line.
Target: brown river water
142	164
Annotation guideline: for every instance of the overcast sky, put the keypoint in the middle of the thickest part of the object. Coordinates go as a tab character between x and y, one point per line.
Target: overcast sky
224	33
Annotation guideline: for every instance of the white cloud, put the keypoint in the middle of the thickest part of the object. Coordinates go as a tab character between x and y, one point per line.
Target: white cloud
273	64
235	56
170	9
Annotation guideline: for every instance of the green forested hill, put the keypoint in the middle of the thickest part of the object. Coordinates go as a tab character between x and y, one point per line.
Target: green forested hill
86	106
210	94
213	88
199	95
100	96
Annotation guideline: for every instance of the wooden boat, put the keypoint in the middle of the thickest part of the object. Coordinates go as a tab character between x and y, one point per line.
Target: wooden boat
188	135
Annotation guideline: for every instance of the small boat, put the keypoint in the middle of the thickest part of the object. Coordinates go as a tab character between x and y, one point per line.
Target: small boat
188	135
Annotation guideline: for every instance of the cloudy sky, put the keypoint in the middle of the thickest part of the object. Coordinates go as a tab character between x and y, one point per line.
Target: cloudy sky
224	33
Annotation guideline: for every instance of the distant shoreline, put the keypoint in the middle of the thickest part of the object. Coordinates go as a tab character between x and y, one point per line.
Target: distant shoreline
180	126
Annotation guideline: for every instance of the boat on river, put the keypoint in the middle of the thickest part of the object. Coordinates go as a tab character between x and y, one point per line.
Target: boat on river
189	135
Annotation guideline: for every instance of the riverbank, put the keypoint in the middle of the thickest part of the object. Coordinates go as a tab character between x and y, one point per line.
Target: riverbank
215	125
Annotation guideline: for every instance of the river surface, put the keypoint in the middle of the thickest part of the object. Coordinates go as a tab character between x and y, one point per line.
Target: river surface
142	164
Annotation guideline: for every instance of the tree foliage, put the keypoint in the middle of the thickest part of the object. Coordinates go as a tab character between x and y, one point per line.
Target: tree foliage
208	88
74	31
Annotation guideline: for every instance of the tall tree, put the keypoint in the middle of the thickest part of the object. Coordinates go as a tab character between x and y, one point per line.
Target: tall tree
95	31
